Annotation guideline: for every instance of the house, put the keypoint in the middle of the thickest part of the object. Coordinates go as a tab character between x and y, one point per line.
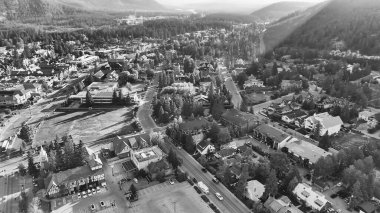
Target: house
205	147
194	127
225	153
122	148
73	181
288	84
290	117
366	115
243	122
305	152
12	97
254	190
367	207
161	166
328	123
143	157
253	82
313	199
92	159
202	99
271	136
281	205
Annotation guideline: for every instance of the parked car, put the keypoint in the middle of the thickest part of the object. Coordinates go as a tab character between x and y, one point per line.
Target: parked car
84	195
204	170
215	180
190	181
92	207
79	196
89	193
98	189
171	181
102	204
135	180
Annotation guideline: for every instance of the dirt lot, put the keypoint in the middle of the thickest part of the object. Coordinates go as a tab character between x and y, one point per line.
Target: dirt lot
86	126
164	198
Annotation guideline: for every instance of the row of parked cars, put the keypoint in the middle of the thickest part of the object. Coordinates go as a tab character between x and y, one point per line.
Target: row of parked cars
89	192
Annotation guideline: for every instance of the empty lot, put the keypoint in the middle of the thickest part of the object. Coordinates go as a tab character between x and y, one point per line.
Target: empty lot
86	126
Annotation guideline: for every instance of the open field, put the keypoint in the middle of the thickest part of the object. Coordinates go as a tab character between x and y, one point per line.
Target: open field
86	126
349	140
164	198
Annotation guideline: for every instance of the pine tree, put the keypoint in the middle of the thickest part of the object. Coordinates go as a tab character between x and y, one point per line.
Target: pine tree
89	99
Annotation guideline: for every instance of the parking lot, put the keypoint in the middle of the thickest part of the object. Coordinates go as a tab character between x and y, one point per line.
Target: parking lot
167	198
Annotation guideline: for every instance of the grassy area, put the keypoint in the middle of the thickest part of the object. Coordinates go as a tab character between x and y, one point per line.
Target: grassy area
86	126
349	140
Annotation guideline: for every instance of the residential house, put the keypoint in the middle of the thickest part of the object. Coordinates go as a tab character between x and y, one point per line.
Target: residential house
205	147
73	181
281	205
271	136
241	121
313	199
254	190
253	82
12	97
367	207
290	117
328	123
366	115
225	153
122	148
288	84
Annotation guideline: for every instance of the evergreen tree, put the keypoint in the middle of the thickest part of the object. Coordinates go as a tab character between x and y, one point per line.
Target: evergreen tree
325	142
89	99
22	169
32	169
26	133
271	186
115	99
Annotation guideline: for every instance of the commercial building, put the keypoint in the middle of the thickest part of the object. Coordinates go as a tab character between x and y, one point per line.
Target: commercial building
328	123
312	198
142	158
242	121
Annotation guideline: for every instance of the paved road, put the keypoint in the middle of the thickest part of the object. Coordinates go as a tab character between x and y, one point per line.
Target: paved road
236	97
144	113
230	203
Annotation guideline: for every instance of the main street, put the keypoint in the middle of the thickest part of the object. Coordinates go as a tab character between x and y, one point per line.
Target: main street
230	203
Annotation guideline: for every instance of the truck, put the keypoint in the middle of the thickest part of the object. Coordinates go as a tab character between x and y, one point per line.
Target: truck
203	187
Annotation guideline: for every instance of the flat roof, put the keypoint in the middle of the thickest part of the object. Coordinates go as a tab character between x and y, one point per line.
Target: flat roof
148	154
307	150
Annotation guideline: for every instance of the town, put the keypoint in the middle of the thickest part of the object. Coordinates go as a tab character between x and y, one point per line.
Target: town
200	121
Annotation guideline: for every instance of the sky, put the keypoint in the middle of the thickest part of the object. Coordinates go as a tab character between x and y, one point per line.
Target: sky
250	2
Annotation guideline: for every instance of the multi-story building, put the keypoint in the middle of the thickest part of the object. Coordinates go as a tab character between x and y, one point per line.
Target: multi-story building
143	157
312	198
12	98
243	122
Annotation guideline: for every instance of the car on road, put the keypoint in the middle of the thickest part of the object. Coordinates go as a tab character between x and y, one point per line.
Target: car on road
215	180
92	207
102	204
204	170
219	196
195	180
171	181
135	180
339	184
79	196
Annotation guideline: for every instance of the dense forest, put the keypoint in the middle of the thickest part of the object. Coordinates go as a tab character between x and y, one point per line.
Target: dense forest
345	24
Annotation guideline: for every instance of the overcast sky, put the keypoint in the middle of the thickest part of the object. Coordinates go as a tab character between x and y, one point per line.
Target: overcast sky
250	2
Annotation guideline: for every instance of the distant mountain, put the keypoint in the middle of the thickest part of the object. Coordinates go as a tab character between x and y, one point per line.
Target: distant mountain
16	9
347	24
230	17
280	9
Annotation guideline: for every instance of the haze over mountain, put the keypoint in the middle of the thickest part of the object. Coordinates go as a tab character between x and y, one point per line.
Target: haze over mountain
278	10
348	24
14	9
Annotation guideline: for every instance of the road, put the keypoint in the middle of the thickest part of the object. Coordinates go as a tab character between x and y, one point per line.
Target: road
236	97
230	203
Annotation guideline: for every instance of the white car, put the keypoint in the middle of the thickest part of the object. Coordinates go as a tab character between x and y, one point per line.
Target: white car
93	191
135	180
171	181
84	195
92	207
79	196
98	189
219	196
89	192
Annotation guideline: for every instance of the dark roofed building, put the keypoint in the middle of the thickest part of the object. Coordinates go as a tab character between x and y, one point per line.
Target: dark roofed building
270	135
195	126
367	207
244	122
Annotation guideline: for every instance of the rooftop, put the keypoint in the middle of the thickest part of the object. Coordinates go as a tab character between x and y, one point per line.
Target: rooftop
307	150
238	117
276	134
194	124
148	154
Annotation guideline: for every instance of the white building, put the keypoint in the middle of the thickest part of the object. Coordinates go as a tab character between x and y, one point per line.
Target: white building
313	199
328	123
254	190
253	82
142	158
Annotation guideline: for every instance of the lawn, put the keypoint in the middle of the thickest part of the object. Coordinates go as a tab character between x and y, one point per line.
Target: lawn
87	126
350	139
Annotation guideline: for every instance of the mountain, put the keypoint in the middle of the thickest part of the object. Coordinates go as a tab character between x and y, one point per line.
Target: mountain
16	9
217	6
280	9
347	24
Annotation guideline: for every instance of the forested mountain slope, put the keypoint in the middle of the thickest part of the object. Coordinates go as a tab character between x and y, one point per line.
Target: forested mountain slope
280	9
346	24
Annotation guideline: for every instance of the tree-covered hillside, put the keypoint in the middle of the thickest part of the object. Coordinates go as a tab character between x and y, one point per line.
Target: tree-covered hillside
346	24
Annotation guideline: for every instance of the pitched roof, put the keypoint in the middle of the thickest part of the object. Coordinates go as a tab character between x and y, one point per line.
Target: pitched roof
368	207
295	114
203	145
238	117
276	134
194	124
307	150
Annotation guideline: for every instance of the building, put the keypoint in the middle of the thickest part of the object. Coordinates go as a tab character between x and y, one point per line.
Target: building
205	147
271	136
73	181
253	82
281	205
225	153
254	190
194	127
313	199
288	84
304	152
85	60
158	167
366	115
242	121
367	207
102	93
143	157
12	97
291	117
328	123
